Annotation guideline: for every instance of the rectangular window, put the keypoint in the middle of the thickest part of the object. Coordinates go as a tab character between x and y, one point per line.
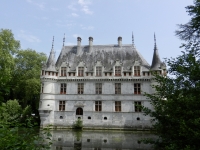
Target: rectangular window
49	73
143	73
118	71
63	87
42	72
148	73
42	88
80	88
117	88
138	107
98	105
63	71
98	88
69	74
56	74
137	88
105	74
80	71
124	73
98	71
61	105
129	74
118	106
136	70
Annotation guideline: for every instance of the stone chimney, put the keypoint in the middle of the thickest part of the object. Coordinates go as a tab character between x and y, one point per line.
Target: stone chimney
90	44
78	45
120	41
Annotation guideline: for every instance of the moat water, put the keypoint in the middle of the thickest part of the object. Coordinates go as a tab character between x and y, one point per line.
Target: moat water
99	140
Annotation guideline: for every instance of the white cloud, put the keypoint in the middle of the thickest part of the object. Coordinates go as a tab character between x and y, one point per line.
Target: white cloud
74	15
71	6
85	6
40	5
28	37
87	28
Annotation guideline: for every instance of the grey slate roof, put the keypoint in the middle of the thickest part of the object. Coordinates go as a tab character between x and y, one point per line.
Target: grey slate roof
50	66
107	54
156	62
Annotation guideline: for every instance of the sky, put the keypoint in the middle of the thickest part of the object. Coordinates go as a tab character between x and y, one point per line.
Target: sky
35	22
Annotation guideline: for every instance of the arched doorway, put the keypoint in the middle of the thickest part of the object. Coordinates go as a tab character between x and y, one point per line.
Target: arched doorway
79	111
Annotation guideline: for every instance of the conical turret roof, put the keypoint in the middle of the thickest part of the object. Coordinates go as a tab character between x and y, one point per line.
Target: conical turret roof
50	66
156	62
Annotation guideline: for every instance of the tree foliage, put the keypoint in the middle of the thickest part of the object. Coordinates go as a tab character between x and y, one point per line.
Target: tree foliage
8	47
191	30
26	77
176	114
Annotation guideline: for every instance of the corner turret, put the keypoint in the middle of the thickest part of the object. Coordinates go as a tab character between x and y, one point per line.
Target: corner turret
156	63
50	66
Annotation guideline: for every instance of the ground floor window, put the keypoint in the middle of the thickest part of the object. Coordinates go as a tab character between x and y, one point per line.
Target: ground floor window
98	105
61	105
138	106
118	106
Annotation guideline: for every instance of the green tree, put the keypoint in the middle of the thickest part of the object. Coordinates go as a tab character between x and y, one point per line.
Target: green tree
26	77
176	114
8	47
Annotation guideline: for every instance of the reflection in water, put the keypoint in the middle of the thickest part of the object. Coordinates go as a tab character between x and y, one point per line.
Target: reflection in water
98	140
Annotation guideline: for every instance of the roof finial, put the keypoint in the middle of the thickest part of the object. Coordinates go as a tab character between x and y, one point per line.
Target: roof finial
53	42
155	46
132	39
64	40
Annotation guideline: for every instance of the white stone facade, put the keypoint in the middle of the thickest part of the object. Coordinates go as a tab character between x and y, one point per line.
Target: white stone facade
105	98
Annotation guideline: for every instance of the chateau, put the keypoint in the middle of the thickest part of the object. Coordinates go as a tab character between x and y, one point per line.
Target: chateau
103	85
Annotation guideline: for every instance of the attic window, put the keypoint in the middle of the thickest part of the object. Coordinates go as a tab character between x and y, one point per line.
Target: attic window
98	71
63	71
117	70
80	71
136	70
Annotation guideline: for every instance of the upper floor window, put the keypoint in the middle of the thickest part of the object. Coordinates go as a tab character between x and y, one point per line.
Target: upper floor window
63	71
118	106
98	71
117	70
117	88
61	105
63	87
42	72
138	106
42	90
80	88
136	70
98	88
80	71
137	88
98	105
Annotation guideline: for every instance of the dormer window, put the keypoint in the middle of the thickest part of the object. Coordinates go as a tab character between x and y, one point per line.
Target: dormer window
117	70
98	71
63	71
136	70
80	71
